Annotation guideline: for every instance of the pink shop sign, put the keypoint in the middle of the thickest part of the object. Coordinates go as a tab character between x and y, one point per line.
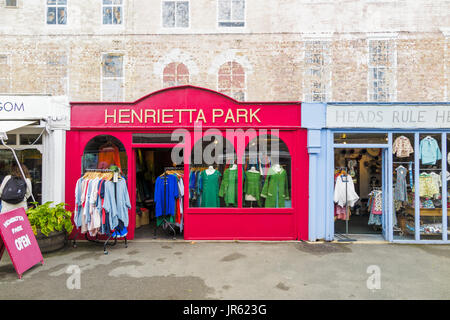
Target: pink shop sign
19	240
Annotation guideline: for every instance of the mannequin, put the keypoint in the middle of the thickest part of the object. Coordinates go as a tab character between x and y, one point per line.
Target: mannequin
210	170
253	169
233	166
252	186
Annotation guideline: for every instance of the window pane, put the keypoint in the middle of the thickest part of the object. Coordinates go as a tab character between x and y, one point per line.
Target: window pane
107	15
62	2
154	138
102	152
117	15
11	3
51	2
28	139
224	10
213	173
238	12
112	65
182	14
112	90
430	187
348	138
267	173
51	15
107	1
62	15
403	170
12	139
168	14
231	24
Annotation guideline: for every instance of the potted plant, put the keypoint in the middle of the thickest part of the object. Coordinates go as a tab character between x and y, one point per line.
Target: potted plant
50	225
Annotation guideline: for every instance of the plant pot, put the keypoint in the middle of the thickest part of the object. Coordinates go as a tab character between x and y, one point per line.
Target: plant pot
56	240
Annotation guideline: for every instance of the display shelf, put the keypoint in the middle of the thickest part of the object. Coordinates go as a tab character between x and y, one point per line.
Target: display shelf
425	212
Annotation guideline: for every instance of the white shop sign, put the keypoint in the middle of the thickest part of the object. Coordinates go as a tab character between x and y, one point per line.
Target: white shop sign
398	116
34	107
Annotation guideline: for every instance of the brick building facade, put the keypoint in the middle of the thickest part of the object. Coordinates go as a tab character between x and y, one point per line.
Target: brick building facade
309	50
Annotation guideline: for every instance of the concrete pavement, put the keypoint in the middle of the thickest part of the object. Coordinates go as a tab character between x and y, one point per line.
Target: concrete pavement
235	270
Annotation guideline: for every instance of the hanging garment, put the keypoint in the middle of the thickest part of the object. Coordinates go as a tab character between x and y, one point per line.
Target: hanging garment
209	187
275	189
375	207
108	155
437	182
402	147
252	186
411	181
166	191
117	202
344	191
429	151
228	187
400	190
340	212
426	186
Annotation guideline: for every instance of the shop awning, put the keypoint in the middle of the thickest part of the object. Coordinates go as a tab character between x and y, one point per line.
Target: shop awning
6	126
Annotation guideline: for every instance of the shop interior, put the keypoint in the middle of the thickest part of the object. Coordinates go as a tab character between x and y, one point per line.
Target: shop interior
154	171
359	210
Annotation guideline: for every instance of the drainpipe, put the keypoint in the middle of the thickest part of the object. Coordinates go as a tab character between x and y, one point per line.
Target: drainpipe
3	136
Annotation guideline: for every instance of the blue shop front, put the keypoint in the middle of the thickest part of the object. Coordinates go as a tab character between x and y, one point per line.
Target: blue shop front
378	171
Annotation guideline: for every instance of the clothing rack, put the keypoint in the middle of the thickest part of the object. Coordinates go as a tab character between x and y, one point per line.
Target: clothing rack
96	240
166	224
340	236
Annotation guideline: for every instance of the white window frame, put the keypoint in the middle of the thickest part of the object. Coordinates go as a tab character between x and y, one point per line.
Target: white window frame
175	27
176	84
112	24
57	6
66	78
231	88
231	19
8	76
325	71
390	71
121	53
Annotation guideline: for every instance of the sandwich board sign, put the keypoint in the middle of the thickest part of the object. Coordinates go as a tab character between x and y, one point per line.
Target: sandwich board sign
18	239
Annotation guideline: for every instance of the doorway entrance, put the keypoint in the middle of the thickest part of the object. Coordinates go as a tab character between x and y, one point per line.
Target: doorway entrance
360	186
151	164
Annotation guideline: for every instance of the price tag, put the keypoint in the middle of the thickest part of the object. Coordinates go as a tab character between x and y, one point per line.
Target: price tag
116	177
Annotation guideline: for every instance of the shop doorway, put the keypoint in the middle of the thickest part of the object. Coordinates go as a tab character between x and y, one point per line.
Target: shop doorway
151	164
360	184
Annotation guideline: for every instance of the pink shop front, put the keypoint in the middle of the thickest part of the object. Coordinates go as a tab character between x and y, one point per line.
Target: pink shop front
189	163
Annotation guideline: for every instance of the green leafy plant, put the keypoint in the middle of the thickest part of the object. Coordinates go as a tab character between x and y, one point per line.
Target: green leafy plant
47	219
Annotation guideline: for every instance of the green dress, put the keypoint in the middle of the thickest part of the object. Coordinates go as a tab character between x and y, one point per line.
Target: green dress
209	185
275	189
252	185
228	188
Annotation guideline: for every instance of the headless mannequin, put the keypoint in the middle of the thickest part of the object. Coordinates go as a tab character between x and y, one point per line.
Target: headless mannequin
277	168
249	197
253	169
210	170
233	167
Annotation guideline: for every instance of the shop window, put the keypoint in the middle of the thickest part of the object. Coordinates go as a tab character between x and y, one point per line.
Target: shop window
175	14
5	74
267	173
32	160
231	80
112	77
112	12
56	81
105	152
154	138
213	173
12	139
57	12
430	186
175	74
360	138
382	70
317	76
403	188
231	13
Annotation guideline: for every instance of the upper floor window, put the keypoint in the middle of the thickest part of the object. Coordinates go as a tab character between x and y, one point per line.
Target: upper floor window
11	3
112	77
56	75
231	80
231	13
175	14
175	74
112	11
382	70
5	74
57	12
317	77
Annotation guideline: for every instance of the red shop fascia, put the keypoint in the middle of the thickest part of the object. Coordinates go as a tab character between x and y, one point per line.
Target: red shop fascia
185	107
